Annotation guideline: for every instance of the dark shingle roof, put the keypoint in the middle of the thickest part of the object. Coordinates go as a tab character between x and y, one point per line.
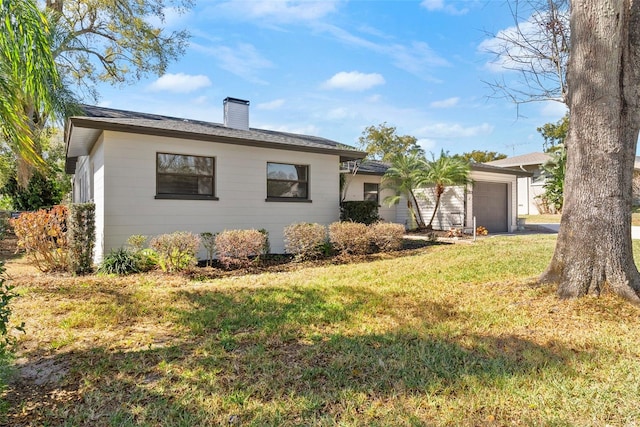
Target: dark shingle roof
82	131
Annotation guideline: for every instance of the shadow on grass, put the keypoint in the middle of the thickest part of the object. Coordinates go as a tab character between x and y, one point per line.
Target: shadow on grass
278	356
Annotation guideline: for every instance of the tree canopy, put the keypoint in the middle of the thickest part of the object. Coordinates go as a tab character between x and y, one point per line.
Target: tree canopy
480	156
383	143
114	41
554	134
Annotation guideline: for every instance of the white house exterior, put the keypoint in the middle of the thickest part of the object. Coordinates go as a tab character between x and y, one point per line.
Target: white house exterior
152	174
491	198
530	188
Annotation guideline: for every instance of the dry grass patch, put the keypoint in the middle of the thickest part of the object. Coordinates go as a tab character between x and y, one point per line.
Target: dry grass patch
452	335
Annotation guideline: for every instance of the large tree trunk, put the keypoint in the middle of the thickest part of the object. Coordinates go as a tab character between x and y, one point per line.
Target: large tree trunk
593	253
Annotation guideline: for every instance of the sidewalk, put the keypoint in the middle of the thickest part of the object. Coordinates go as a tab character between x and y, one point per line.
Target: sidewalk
553	228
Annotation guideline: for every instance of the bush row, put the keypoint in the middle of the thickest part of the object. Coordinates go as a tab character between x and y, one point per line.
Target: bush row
62	239
305	240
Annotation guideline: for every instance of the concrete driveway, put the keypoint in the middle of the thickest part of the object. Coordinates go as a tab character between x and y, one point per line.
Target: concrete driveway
635	230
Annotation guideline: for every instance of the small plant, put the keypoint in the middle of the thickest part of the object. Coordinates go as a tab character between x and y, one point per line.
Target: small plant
481	231
386	236
42	235
121	262
305	240
209	242
266	249
137	242
7	294
350	238
176	251
236	247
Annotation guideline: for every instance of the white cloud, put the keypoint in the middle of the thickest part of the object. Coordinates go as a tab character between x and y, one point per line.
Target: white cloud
445	103
427	144
448	130
416	57
354	81
278	11
271	105
242	60
441	6
180	83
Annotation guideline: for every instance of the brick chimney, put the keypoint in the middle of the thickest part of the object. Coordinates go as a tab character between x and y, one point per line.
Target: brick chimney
236	113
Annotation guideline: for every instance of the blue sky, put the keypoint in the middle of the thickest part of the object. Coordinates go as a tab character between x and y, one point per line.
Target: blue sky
331	68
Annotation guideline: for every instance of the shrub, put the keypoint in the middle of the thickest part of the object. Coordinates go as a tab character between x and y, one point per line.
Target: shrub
81	236
7	293
349	237
120	262
42	235
386	236
137	242
266	248
209	242
147	258
235	247
305	240
176	251
365	212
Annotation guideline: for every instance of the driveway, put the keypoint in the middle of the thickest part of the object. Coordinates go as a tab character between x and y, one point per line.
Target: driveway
635	230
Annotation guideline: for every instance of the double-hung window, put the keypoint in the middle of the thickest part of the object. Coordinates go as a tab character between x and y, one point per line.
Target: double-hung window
181	176
287	182
371	192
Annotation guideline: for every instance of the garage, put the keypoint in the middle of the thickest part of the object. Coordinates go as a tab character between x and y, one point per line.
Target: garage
490	206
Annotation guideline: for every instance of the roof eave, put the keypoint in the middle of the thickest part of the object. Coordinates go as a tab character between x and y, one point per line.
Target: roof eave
87	123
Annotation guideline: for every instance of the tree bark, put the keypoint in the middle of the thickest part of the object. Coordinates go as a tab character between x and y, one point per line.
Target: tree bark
594	253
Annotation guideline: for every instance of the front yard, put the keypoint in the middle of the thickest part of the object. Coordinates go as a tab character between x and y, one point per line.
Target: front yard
450	335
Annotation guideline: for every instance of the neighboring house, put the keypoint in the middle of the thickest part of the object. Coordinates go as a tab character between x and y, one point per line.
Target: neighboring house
530	188
149	174
491	198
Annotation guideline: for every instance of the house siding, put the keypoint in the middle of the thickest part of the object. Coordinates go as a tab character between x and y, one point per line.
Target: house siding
453	202
240	184
355	192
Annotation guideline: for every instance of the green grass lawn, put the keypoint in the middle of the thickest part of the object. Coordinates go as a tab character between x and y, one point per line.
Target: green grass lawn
455	335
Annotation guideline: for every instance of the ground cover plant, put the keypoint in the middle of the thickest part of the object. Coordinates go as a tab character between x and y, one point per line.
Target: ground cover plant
449	335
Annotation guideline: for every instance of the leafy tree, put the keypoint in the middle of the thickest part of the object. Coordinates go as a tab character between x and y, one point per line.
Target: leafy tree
115	41
383	143
554	171
604	82
554	134
405	176
443	172
480	156
28	75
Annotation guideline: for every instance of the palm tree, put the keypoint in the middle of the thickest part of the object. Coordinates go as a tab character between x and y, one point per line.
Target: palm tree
443	172
28	75
406	174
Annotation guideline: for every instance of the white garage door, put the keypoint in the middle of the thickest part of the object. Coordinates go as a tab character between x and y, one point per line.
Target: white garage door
490	206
